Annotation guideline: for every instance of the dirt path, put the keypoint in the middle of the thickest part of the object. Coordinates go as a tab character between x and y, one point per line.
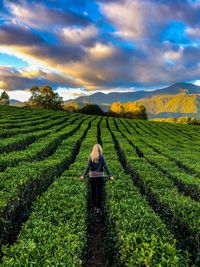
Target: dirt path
96	253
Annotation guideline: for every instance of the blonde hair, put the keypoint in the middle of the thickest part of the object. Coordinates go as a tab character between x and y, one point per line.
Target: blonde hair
96	152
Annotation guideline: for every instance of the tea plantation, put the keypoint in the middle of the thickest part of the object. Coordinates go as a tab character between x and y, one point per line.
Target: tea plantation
151	213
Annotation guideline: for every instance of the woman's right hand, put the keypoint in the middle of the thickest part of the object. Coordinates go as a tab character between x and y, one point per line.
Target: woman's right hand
82	177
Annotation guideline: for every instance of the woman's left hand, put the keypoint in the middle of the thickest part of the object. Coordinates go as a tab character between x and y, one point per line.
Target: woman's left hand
112	178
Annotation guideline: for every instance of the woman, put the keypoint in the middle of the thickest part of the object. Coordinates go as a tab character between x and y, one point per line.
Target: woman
96	165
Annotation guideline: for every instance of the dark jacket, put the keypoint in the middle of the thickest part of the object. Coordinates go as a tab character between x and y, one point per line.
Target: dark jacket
97	169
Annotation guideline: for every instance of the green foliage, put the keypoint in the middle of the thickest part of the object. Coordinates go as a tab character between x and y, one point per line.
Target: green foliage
4	98
46	143
56	231
44	98
21	185
91	110
163	193
151	210
140	237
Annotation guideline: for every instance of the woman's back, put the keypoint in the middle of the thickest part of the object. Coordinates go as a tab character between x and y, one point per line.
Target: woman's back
97	166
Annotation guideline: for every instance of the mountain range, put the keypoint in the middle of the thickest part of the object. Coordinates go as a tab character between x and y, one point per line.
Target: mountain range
107	99
14	102
179	99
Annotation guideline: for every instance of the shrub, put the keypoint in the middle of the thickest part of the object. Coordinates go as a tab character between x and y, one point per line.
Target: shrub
91	110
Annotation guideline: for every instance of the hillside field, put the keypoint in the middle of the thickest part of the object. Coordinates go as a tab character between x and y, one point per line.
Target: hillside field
151	213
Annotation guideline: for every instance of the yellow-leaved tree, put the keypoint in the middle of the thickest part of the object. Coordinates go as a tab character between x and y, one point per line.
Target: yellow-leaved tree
73	107
128	110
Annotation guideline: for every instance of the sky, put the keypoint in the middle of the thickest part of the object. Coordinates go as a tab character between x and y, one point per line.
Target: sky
84	46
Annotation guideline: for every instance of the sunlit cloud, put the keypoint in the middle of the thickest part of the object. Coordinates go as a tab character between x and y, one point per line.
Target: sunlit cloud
197	82
71	93
13	79
101	51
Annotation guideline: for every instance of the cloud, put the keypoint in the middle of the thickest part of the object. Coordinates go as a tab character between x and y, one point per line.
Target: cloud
37	15
12	79
33	49
193	32
133	19
173	55
190	59
105	66
56	54
81	36
143	19
11	34
70	93
101	51
197	82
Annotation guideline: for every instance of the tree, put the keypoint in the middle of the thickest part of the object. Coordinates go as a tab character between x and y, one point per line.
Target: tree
44	98
73	107
131	110
91	110
4	98
117	109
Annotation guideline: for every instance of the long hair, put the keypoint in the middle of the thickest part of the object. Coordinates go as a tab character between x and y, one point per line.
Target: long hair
96	152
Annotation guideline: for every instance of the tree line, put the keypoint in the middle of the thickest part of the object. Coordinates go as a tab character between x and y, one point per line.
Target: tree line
131	110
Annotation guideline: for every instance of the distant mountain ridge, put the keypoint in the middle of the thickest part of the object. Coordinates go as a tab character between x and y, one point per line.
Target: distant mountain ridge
17	103
107	99
179	98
